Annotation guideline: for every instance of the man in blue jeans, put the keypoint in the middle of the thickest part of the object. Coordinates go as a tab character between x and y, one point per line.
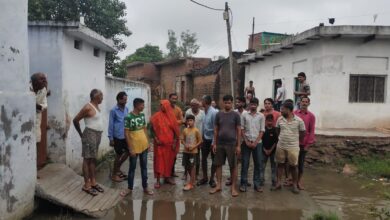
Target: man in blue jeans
252	131
138	145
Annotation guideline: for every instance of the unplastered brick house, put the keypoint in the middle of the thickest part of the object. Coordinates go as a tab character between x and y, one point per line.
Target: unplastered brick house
189	77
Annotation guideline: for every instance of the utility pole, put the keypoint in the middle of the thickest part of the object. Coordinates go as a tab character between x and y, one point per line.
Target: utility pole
227	19
253	33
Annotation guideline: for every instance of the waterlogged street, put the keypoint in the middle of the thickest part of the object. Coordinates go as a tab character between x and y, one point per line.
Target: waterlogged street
325	190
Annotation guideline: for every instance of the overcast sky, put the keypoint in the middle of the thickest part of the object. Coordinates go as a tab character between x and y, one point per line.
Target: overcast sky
149	20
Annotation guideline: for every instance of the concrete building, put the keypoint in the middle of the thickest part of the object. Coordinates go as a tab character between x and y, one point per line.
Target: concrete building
263	40
347	68
17	115
73	57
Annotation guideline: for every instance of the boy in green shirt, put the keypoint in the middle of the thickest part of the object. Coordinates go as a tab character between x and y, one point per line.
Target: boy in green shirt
137	142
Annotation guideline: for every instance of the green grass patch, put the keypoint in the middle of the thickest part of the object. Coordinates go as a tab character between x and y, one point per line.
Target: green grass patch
386	194
373	166
324	216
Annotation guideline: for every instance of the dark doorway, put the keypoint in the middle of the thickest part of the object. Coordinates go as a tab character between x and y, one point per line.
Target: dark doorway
275	88
296	87
182	91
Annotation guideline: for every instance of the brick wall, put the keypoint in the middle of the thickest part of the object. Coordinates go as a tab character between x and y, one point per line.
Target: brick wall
147	73
224	83
205	85
171	73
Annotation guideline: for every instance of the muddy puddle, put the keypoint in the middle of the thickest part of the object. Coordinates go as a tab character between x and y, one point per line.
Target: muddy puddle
348	197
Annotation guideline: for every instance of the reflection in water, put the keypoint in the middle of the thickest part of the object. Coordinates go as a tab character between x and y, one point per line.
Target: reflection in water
188	210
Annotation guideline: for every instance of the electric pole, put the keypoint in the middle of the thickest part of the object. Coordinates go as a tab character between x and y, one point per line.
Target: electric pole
227	19
253	33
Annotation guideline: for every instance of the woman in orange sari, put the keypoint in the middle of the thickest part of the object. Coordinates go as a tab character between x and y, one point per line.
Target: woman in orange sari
166	142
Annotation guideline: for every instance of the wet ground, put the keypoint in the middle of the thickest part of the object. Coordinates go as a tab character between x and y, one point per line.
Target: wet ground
325	190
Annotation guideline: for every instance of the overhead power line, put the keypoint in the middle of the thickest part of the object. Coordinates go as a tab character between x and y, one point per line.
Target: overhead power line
216	9
323	18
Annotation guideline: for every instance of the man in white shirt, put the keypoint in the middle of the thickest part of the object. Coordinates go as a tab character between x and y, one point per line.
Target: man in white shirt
280	95
38	87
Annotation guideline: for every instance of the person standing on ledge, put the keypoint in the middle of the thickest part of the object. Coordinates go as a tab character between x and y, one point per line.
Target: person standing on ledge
250	89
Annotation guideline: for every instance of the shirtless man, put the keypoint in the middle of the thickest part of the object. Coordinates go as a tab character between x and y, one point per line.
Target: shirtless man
90	139
250	89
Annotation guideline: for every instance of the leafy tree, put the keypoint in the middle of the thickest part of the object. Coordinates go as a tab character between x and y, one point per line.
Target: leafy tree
188	45
106	17
147	53
174	50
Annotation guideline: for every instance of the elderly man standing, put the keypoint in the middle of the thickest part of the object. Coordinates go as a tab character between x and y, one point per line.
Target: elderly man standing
199	117
90	139
38	87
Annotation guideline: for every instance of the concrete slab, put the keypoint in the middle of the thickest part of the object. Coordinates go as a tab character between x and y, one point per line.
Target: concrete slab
61	185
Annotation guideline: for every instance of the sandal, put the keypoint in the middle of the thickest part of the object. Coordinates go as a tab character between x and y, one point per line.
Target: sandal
123	176
157	185
125	192
90	191
117	178
98	188
148	192
188	187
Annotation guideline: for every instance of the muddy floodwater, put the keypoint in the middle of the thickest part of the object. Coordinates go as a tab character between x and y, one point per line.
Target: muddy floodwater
325	190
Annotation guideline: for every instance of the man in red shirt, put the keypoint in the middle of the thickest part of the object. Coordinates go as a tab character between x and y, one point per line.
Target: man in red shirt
310	123
269	109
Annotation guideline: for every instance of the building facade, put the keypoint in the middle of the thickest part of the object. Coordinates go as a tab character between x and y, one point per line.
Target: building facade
347	68
18	171
73	57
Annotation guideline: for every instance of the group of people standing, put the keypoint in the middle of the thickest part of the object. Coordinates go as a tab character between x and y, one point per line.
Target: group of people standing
235	135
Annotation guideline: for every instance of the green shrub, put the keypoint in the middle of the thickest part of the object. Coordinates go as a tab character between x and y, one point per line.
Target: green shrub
373	166
324	216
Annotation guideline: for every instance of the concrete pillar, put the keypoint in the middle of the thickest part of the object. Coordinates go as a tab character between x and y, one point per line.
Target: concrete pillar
17	115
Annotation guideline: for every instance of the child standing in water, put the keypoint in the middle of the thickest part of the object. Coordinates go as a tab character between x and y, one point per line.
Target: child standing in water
191	139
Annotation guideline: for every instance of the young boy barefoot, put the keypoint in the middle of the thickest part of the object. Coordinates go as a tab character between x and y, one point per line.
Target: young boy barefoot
191	139
270	138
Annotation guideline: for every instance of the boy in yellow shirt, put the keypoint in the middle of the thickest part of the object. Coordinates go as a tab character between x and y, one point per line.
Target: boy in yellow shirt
191	139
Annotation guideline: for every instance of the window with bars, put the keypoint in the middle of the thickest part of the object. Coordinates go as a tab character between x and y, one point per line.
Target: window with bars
367	88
